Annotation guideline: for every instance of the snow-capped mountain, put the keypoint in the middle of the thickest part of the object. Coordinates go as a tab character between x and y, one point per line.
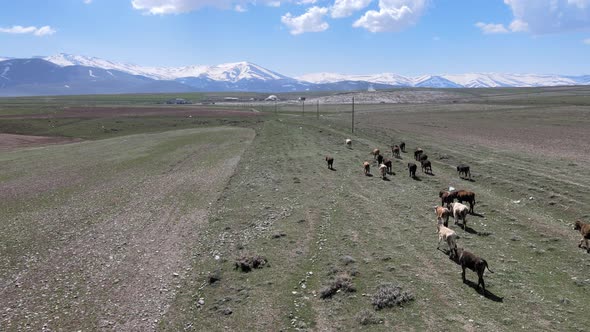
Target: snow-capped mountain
75	74
227	72
472	80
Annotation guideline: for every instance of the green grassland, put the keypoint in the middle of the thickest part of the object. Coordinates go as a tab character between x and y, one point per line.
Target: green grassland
205	191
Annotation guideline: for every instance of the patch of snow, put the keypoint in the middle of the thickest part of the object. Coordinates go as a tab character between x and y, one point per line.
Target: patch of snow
4	72
90	73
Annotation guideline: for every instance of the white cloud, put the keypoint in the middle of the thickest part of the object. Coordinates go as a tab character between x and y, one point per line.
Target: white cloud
490	28
586	41
163	7
393	15
17	29
519	26
344	8
549	16
311	21
306	2
87	1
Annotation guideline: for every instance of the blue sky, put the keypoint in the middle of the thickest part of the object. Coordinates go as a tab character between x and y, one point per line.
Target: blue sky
407	37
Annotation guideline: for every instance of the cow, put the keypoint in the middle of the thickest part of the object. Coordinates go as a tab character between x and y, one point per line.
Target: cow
442	215
367	167
466	196
426	166
402	146
412	168
348	142
422	157
389	165
383	171
447	197
375	153
584	229
330	161
395	151
449	236
464	169
459	212
475	264
379	159
417	153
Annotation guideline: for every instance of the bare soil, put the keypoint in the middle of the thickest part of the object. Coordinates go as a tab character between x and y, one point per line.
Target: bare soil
109	250
12	141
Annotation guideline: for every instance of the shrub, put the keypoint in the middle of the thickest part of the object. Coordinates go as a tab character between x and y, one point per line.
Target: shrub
367	317
342	282
390	295
247	263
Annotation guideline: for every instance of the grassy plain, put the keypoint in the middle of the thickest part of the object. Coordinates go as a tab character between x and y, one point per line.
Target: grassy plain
143	199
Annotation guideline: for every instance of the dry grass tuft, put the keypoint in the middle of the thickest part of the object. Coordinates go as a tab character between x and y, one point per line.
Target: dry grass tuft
390	295
342	282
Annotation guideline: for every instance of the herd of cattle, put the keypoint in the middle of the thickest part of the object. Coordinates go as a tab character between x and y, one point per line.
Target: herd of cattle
451	205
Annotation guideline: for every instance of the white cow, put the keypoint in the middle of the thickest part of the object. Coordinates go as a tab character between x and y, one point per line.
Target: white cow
459	211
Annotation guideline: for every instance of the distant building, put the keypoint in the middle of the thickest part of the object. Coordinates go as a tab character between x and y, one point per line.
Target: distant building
371	88
231	99
271	98
178	101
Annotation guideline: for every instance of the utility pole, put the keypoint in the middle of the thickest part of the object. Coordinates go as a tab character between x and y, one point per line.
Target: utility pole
303	107
318	109
353	115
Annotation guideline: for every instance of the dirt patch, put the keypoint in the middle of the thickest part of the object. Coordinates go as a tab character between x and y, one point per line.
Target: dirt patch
121	269
12	141
114	112
551	131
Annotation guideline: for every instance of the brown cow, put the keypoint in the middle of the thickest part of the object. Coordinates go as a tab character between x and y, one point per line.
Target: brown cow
389	165
447	197
466	196
417	153
375	153
426	166
330	161
584	229
442	215
475	264
367	167
412	167
395	150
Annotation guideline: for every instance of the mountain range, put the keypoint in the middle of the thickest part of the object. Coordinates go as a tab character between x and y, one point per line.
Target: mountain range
74	74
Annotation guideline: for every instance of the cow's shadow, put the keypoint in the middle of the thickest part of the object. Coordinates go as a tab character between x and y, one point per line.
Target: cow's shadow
476	214
416	178
386	179
369	175
487	294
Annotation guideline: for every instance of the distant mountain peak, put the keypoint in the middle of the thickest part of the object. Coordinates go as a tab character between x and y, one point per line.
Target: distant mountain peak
85	74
